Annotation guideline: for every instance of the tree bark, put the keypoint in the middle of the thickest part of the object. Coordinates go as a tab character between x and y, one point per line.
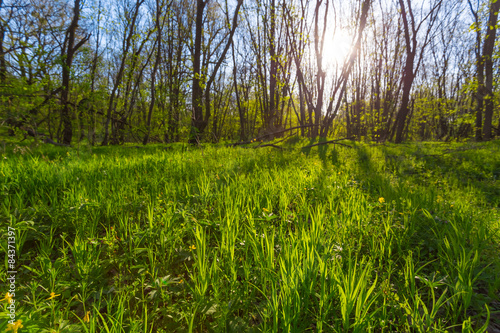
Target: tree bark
479	77
411	29
126	46
200	88
197	90
487	60
273	71
241	111
69	53
340	89
408	73
3	64
159	27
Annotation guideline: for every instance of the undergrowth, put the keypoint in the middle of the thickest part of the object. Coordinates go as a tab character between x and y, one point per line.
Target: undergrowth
367	238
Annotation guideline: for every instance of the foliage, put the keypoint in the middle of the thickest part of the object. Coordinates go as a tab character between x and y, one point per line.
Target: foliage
337	239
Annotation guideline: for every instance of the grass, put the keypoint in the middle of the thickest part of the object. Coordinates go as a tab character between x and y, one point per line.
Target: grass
374	238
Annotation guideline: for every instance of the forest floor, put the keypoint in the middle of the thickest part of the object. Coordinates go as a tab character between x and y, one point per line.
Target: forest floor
331	238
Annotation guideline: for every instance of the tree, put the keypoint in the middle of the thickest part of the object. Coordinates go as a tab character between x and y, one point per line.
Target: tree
174	71
312	76
385	58
201	83
414	55
160	70
159	23
487	60
269	50
69	51
128	33
339	89
4	22
312	94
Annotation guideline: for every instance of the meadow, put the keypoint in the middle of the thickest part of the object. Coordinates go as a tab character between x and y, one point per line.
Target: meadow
365	238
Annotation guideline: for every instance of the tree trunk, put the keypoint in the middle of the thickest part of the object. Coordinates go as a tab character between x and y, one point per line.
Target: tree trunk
159	27
340	89
411	29
69	53
408	74
126	47
3	64
479	77
302	112
273	71
487	59
405	98
241	111
197	91
200	85
93	73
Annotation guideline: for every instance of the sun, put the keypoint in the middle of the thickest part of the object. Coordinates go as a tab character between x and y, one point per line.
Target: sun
337	48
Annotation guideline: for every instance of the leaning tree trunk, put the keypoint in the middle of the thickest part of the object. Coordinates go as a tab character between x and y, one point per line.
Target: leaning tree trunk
408	74
405	99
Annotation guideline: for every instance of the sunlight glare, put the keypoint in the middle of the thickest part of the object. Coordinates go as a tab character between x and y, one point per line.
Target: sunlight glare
337	49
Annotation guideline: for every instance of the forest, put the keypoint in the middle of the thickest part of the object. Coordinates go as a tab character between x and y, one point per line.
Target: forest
167	71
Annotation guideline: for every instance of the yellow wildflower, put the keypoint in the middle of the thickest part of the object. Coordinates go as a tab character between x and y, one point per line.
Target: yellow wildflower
381	200
86	319
53	295
265	210
8	298
192	247
15	326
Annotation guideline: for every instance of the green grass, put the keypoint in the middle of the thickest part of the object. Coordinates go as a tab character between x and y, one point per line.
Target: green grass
373	238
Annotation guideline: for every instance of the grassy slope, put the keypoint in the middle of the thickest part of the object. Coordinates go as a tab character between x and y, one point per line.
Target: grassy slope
370	238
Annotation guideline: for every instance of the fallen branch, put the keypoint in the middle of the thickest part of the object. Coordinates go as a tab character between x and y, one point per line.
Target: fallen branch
316	144
449	151
33	133
285	138
285	130
266	135
52	142
268	145
331	141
